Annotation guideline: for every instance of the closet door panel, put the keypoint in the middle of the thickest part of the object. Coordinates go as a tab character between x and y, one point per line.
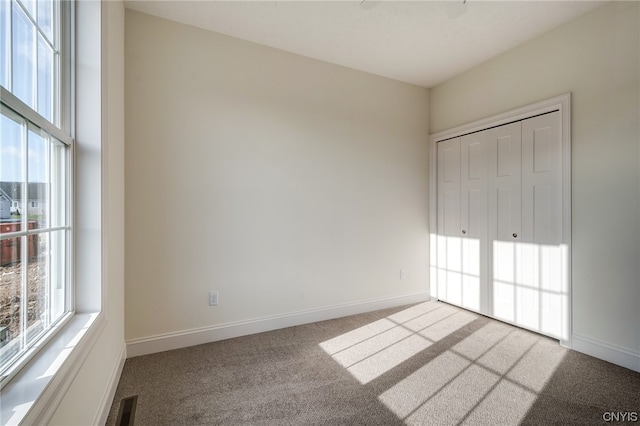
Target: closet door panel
541	180
473	251
544	292
504	218
505	146
473	188
449	243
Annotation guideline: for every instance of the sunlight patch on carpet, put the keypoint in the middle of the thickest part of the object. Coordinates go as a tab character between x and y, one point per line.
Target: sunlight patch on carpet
372	350
494	373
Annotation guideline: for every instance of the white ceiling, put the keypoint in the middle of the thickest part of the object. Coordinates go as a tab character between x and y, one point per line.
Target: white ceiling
418	42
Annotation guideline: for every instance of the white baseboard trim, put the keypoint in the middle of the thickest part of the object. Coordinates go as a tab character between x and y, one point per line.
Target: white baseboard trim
606	351
198	336
110	391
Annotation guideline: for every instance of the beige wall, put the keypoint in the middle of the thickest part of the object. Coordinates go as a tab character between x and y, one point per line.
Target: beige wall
596	58
285	183
89	395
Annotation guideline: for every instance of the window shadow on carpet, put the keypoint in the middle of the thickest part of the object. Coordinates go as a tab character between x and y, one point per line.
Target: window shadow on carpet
437	364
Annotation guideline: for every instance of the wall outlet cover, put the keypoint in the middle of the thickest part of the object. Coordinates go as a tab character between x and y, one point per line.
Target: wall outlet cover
213	298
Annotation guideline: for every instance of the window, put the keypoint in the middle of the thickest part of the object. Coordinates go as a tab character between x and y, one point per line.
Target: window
35	168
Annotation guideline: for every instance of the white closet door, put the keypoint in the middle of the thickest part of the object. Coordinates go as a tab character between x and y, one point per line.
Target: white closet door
449	229
504	211
500	247
473	209
542	293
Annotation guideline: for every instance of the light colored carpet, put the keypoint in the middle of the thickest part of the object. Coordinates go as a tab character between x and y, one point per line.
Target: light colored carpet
426	364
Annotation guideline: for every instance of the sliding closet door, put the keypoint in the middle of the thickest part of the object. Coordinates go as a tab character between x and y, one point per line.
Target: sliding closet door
449	228
542	294
504	211
473	209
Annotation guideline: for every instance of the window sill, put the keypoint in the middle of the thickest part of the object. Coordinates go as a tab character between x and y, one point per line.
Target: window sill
33	395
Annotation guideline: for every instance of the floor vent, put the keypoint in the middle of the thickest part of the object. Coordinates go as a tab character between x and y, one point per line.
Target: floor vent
127	412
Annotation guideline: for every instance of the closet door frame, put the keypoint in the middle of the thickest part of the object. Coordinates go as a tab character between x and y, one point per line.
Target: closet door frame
562	104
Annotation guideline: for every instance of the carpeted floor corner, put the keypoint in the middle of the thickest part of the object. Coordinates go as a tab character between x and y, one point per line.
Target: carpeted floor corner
426	364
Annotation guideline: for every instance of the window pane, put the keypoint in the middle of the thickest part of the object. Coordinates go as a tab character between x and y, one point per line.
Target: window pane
10	295
58	184
37	285
45	79
45	15
5	50
58	273
37	189
30	5
11	160
23	57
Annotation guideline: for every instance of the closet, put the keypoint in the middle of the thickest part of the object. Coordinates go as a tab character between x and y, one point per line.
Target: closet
500	247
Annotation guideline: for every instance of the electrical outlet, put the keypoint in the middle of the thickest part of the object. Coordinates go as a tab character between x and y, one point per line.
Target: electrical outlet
403	274
213	298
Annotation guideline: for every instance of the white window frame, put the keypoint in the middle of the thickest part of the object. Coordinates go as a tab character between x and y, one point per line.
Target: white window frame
60	128
11	103
34	394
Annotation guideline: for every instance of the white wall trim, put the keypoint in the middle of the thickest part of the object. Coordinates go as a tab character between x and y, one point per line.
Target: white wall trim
606	351
198	336
110	391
